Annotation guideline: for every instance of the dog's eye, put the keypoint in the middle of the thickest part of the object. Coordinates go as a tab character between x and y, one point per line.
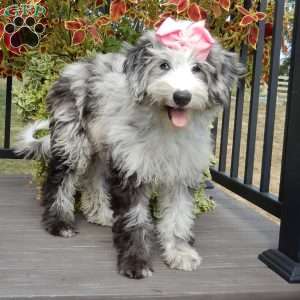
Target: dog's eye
165	66
196	69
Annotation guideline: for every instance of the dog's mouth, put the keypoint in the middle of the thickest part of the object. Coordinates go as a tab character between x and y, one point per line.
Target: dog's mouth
177	116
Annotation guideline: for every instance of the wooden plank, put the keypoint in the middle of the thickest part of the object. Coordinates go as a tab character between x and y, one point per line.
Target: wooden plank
35	265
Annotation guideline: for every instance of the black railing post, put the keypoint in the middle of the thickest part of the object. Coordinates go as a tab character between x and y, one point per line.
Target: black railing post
272	96
8	102
7	151
286	260
254	99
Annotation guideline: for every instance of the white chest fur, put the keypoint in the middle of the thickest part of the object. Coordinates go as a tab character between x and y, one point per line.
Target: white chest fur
145	143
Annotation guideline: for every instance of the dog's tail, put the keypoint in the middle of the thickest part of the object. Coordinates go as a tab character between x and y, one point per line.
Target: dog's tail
35	148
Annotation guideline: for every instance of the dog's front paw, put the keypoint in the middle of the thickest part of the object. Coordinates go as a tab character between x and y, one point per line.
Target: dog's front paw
135	268
182	257
67	232
61	229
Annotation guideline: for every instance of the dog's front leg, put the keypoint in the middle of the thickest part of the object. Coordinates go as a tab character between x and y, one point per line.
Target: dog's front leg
174	228
132	228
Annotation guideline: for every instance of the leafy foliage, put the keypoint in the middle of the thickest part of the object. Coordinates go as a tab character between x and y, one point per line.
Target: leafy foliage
40	74
74	27
202	202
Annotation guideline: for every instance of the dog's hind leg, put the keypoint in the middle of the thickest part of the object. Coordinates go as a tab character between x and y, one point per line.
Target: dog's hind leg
95	199
132	228
69	160
174	228
58	199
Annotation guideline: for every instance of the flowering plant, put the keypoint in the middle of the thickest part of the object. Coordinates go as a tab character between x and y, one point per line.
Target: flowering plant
74	28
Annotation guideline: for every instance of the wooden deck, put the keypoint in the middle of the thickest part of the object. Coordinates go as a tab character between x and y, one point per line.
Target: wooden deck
35	265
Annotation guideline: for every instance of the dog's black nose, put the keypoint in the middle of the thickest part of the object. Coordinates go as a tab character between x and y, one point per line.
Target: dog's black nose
182	98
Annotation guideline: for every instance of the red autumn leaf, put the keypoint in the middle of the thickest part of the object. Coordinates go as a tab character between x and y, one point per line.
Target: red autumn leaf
268	30
81	21
203	14
225	4
182	5
99	3
7	40
1	30
166	14
243	10
94	33
253	36
158	22
117	9
162	18
247	20
104	20
78	37
1	56
73	25
260	15
194	12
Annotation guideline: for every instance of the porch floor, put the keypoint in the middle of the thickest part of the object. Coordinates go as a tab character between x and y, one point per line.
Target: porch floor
35	265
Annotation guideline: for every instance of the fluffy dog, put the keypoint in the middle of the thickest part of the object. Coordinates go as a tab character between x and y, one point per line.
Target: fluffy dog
123	124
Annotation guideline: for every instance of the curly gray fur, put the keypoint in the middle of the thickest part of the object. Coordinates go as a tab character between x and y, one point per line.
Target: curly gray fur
112	138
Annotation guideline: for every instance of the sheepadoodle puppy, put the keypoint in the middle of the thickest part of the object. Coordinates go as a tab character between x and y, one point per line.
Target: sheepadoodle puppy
124	124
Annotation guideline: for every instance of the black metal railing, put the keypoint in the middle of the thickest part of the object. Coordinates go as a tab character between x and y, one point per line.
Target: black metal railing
5	150
286	260
258	195
286	206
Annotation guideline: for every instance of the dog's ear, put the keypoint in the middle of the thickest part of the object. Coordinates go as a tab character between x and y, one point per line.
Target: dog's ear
225	70
136	66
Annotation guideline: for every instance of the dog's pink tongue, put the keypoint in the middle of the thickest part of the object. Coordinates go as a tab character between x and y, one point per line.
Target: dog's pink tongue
178	117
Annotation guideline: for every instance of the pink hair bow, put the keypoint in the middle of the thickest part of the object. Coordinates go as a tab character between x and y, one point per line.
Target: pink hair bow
186	35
